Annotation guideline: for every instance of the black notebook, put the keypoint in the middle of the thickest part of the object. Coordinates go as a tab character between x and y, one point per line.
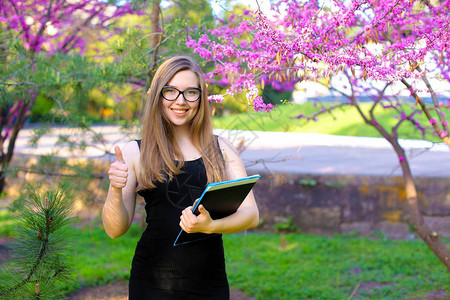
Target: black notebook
220	199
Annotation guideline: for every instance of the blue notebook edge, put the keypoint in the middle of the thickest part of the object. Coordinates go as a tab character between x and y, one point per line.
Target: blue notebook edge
210	185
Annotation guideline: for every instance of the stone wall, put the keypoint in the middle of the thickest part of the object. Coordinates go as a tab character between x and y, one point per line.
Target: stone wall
342	204
319	204
89	192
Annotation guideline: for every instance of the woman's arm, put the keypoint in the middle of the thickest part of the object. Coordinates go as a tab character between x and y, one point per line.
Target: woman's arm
247	215
118	210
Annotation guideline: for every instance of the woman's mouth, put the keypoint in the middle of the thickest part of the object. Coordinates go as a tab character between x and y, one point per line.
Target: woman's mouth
179	112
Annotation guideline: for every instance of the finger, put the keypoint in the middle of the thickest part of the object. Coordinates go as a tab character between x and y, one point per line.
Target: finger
119	166
119	155
188	216
187	212
118	172
183	226
184	223
118	184
118	179
202	210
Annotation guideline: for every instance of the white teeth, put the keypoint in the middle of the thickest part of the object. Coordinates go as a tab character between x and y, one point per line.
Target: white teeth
179	111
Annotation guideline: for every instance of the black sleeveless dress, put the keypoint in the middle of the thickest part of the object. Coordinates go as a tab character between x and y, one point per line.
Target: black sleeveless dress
194	270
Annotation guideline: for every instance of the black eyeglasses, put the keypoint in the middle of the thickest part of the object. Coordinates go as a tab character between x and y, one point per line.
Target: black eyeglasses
191	94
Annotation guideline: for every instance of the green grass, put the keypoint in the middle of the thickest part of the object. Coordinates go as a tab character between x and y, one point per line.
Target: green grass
100	259
300	267
6	223
342	121
296	266
290	266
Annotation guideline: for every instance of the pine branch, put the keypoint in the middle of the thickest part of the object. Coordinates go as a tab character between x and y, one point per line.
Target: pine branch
42	222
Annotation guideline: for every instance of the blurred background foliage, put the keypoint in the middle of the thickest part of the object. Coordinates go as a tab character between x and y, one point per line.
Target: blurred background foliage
108	81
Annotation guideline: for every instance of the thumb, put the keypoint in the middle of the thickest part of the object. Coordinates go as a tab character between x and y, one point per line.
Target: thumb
119	154
202	210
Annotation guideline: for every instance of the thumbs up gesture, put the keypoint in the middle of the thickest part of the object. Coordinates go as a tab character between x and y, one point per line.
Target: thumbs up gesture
118	171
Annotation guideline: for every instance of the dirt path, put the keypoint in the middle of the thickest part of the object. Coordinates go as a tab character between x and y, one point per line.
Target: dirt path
119	291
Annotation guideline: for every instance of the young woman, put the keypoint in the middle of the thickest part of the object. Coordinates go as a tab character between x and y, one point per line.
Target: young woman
172	164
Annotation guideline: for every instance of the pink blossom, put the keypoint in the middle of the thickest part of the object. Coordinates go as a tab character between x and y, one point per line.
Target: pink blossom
322	50
190	42
16	13
223	82
216	98
259	105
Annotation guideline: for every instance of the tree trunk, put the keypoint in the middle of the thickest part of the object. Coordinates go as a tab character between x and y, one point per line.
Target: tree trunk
2	181
431	238
6	158
156	34
155	24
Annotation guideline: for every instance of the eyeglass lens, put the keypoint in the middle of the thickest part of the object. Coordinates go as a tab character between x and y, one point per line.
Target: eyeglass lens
171	93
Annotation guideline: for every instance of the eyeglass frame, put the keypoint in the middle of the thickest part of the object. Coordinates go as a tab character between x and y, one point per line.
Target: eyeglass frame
182	93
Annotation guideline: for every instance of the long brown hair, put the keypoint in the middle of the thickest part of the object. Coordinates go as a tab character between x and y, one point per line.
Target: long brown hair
159	147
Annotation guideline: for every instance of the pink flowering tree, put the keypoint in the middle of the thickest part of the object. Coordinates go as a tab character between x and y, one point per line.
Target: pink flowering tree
42	43
384	52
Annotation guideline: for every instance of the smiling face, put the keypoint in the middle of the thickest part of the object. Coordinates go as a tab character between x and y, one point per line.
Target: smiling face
179	111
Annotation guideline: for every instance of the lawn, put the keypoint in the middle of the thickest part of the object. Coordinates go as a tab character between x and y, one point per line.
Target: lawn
290	266
342	121
282	266
298	266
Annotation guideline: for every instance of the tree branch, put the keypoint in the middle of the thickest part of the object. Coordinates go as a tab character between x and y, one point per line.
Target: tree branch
419	101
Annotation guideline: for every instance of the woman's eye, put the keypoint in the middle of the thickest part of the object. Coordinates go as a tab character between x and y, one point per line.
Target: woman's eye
192	92
169	91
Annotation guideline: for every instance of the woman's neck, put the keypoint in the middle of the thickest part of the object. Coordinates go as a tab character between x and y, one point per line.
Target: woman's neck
181	134
184	141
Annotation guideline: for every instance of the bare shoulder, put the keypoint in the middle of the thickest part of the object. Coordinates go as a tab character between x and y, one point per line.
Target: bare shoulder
131	148
234	166
227	147
131	153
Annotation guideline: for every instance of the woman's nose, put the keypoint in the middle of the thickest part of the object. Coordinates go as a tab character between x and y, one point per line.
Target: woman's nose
180	99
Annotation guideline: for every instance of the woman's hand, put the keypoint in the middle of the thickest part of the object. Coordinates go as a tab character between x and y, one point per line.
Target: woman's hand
192	223
118	171
120	205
